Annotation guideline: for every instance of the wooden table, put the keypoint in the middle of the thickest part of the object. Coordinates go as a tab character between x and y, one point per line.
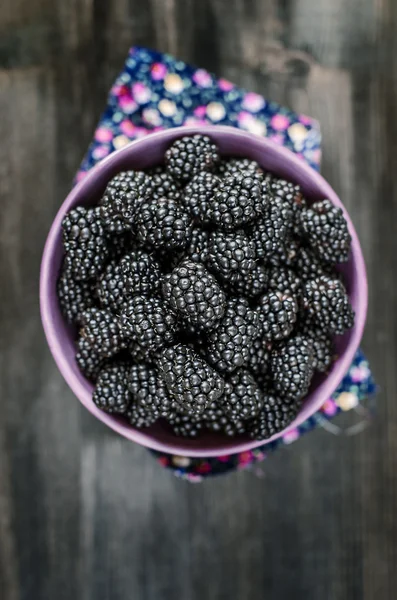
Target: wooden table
85	514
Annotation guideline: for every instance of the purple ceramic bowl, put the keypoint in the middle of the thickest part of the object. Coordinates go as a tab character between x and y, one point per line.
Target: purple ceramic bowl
148	152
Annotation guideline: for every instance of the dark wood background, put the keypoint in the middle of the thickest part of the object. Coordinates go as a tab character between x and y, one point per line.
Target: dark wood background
85	514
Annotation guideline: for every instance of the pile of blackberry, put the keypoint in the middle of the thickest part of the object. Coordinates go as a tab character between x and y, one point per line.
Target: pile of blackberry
204	293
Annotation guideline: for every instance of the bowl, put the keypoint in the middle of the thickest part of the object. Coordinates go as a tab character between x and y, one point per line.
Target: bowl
147	152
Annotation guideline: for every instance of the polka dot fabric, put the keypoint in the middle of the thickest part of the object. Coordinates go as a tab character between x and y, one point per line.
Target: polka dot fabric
155	91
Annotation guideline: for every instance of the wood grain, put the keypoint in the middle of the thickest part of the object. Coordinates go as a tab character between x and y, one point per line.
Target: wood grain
85	514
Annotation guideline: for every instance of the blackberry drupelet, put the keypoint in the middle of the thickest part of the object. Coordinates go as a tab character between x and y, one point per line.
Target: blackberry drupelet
191	291
197	249
189	155
292	367
111	391
259	356
74	296
148	321
148	390
215	419
228	347
230	255
251	285
284	280
139	417
121	200
189	426
198	194
101	330
276	415
326	302
189	379
323	347
326	230
85	244
277	315
163	223
88	360
235	202
242	397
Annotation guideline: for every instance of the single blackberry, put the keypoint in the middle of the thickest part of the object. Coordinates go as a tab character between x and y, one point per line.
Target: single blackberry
230	255
139	417
235	202
189	155
148	390
182	425
88	360
121	200
242	398
326	302
111	287
327	232
198	194
323	347
293	194
285	254
253	284
197	249
101	330
229	345
84	242
240	166
259	356
189	379
111	391
277	315
161	185
284	280
217	420
163	223
275	416
74	296
292	367
309	266
191	291
148	321
269	232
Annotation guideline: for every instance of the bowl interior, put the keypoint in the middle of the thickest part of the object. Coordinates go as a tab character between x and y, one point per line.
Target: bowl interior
148	152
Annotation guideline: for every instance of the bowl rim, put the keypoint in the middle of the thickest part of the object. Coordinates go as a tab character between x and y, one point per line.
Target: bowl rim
53	337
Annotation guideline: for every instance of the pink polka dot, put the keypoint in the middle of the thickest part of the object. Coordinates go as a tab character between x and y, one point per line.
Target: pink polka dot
277	138
329	407
253	102
158	71
103	134
291	436
245	458
127	128
127	104
101	152
305	120
279	122
200	111
225	85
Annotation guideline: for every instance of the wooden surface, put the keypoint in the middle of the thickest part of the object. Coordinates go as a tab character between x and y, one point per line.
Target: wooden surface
85	514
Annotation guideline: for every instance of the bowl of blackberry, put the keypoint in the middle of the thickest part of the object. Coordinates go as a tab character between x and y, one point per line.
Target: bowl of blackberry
203	291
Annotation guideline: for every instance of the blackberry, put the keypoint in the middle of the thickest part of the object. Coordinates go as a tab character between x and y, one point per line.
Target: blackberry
197	249
327	232
326	302
198	193
140	354
139	417
274	417
88	360
74	296
284	280
269	232
141	272
259	356
253	284
309	266
195	294
277	315
240	166
111	391
229	345
323	347
285	254
292	367
235	202
101	330
148	390
189	379
217	420
111	288
189	155
182	425
84	242
230	255
161	185
148	321
293	194
121	200
242	397
163	223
